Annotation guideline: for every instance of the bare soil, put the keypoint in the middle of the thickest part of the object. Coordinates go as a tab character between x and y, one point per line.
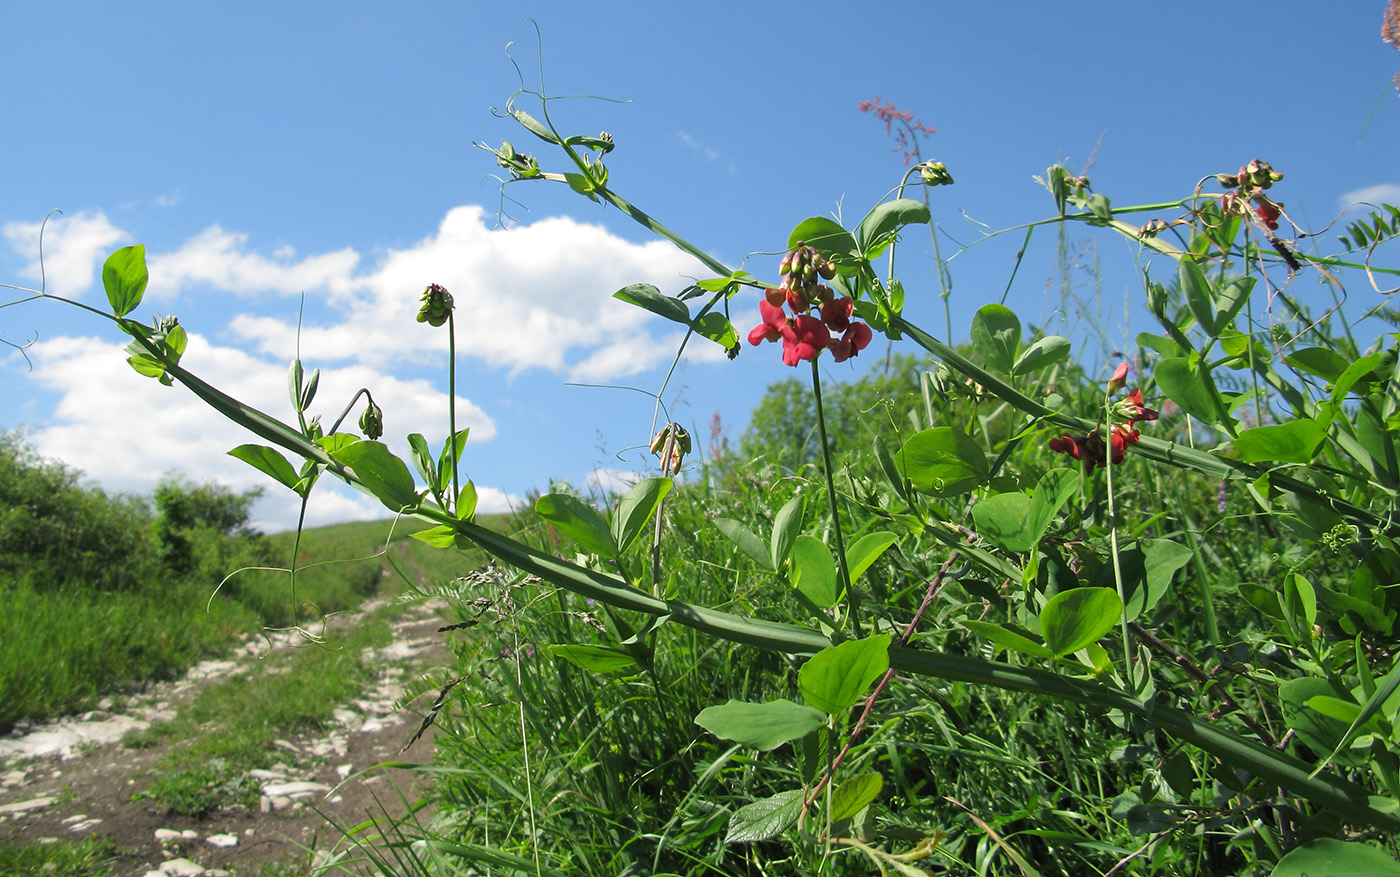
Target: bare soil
87	788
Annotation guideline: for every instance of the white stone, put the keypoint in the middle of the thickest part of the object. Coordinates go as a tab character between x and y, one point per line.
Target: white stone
165	835
222	840
189	834
295	790
76	817
258	773
26	806
85	825
344	770
178	868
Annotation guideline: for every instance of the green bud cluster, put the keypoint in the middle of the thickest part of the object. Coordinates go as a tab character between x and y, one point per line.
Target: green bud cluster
437	305
804	264
521	165
1256	175
679	439
372	421
935	173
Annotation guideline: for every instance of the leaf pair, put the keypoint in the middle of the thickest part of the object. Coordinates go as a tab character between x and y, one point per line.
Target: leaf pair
582	523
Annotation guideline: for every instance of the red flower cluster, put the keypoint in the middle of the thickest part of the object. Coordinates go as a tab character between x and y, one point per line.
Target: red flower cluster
804	336
1090	449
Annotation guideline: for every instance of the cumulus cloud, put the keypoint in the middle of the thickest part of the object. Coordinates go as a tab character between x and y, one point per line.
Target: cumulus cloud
612	482
127	431
73	248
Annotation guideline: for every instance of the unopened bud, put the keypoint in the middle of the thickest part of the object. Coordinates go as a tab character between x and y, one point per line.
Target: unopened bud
372	421
437	306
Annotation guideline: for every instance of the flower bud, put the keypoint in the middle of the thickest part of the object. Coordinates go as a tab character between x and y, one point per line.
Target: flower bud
372	421
437	306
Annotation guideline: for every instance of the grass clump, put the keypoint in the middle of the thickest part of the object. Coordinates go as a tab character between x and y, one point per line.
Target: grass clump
92	856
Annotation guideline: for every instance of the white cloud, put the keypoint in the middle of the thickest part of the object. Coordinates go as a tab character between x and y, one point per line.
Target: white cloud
126	431
1384	193
533	296
73	248
612	482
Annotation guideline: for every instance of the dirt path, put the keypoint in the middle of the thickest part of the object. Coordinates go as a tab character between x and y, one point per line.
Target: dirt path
73	779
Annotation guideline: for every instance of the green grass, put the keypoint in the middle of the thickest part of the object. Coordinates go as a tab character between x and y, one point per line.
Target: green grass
91	857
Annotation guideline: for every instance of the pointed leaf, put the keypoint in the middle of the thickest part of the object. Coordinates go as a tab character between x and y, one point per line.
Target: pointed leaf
815	571
1297	441
448	458
597	659
996	335
1008	639
124	277
269	461
441	537
1041	353
422	459
854	795
838	676
1184	384
764	819
646	296
636	508
1197	289
748	543
866	551
1075	618
580	522
761	726
466	502
1324	362
383	474
716	327
1230	301
785	527
878	227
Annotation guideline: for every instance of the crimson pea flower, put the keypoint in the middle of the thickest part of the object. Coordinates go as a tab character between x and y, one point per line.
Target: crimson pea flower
803	338
1269	214
856	337
1133	409
837	313
1119	379
771	329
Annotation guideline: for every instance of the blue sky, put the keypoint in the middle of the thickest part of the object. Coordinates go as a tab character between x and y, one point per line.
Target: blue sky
261	152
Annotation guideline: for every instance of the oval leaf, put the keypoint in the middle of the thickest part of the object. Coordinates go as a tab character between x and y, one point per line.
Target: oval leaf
648	297
765	819
785	527
1197	289
854	795
837	676
381	473
816	571
762	726
124	277
1184	384
826	235
1336	858
1008	639
1041	353
269	461
996	335
579	521
1297	441
942	461
744	538
881	223
1075	618
866	551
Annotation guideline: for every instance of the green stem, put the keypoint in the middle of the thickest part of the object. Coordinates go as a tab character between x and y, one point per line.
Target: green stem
452	403
851	596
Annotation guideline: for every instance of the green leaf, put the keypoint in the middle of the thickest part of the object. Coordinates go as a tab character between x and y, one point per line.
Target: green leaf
854	795
597	659
879	225
866	551
268	461
761	726
815	571
1231	300
942	461
996	335
448	458
1323	362
581	184
422	459
466	502
1197	289
764	819
1160	558
1184	384
716	327
785	527
826	235
1005	519
124	277
636	508
1042	352
1328	857
580	522
838	676
534	127
1297	441
1008	639
383	475
1075	618
748	543
441	537
148	366
648	297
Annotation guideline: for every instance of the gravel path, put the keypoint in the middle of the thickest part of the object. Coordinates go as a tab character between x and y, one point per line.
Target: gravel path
72	778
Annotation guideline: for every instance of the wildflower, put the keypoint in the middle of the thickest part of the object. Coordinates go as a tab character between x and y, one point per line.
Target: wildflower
1119	379
1268	213
1132	409
774	322
804	335
852	342
1122	434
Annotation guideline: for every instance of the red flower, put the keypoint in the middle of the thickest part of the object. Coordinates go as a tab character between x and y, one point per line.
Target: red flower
771	329
1119	379
837	313
1133	409
803	338
856	337
1268	214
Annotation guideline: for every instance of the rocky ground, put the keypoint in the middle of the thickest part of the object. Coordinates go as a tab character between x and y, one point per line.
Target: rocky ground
73	778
